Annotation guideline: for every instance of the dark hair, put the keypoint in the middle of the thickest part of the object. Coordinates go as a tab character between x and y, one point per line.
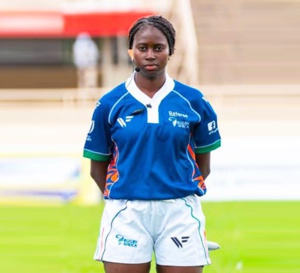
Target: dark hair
159	22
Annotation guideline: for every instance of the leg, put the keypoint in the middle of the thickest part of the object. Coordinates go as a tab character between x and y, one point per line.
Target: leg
126	268
124	244
181	246
178	269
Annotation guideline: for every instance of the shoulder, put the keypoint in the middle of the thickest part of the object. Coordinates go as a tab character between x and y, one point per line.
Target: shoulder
195	97
108	100
114	94
186	89
188	92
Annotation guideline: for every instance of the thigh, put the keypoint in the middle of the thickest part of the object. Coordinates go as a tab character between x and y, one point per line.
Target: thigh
124	238
126	268
182	240
179	269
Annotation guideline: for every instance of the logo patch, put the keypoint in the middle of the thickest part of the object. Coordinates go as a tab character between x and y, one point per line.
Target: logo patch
179	243
92	127
121	122
178	120
127	119
212	127
179	123
126	242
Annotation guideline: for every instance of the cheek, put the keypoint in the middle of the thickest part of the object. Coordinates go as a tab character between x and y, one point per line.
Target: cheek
166	60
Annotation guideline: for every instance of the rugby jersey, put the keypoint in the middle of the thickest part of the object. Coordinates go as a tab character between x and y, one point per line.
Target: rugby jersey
151	142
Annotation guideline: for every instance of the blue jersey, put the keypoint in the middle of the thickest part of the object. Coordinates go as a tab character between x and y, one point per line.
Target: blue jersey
151	142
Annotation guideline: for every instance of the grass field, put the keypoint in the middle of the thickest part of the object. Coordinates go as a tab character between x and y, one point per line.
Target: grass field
254	237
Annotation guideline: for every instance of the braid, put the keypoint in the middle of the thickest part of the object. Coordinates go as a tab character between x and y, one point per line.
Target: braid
159	22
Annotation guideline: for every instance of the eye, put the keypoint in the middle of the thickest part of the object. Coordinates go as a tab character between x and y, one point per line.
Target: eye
159	48
142	48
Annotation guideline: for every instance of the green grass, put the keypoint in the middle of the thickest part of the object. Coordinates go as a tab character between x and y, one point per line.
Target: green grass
254	237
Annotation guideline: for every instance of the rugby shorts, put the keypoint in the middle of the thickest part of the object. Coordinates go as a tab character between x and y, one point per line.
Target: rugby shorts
174	230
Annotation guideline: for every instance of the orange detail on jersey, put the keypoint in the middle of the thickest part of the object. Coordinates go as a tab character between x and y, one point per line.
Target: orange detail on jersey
112	173
192	153
201	183
199	179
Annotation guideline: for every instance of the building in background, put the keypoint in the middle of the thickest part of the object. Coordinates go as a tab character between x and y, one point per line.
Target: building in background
218	42
36	39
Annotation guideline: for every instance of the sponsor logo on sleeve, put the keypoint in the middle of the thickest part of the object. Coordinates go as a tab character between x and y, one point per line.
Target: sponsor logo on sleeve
92	127
212	127
89	138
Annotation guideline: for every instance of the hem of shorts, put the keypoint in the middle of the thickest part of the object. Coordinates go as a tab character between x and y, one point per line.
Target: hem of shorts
122	262
186	263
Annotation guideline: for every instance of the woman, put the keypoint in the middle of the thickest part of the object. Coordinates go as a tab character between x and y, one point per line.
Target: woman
149	145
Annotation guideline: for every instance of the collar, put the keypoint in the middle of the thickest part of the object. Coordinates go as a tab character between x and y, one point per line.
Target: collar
143	98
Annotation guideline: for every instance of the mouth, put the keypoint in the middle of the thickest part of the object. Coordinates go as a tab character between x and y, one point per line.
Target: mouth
150	67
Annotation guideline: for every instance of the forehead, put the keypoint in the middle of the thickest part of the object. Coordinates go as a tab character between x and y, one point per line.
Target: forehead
150	34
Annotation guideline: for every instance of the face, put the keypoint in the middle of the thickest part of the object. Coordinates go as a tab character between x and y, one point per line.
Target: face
150	50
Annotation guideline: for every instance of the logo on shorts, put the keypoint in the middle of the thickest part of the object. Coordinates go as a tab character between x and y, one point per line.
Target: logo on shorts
179	243
126	242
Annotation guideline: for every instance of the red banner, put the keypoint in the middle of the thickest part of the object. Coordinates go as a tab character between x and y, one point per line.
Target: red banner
59	25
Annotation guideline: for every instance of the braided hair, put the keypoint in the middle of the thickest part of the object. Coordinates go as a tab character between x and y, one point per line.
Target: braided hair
159	22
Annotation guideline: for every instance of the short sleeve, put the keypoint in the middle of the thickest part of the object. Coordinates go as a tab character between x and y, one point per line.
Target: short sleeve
206	134
98	141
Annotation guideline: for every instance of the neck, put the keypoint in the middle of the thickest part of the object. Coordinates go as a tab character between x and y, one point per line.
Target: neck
149	85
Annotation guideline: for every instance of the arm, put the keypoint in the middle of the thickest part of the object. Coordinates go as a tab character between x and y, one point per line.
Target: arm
203	161
98	173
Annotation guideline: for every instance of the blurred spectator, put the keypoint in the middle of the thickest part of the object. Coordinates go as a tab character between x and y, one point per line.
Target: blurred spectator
86	57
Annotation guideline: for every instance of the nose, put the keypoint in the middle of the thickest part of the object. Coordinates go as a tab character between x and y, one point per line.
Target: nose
150	54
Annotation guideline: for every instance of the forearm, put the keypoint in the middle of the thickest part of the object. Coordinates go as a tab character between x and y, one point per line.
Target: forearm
98	173
203	161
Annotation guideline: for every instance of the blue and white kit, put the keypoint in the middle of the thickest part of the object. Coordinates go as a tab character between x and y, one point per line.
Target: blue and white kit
151	142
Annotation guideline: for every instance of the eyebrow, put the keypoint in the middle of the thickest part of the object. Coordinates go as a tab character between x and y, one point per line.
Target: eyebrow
158	44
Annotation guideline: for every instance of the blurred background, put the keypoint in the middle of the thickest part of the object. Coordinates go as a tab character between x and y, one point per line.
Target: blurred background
242	54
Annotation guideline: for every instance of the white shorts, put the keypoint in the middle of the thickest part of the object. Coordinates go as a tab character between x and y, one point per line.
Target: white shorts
173	229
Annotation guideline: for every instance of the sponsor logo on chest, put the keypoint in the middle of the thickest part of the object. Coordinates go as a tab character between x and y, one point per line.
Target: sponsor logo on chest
179	120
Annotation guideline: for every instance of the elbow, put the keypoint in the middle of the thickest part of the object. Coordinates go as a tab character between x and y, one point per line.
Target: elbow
206	173
93	175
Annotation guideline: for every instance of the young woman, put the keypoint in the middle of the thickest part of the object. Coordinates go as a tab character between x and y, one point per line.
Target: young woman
149	145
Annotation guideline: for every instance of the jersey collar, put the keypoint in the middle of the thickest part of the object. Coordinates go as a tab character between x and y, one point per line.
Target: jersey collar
143	98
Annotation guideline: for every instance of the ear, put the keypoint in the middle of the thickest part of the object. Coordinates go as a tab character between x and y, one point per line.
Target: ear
130	53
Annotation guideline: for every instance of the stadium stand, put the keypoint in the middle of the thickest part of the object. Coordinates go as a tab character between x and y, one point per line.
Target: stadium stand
248	41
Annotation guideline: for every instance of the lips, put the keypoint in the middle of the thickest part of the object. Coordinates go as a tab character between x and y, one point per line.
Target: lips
150	66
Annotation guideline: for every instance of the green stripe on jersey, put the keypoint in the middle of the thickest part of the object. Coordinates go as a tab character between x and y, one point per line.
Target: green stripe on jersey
95	156
209	148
